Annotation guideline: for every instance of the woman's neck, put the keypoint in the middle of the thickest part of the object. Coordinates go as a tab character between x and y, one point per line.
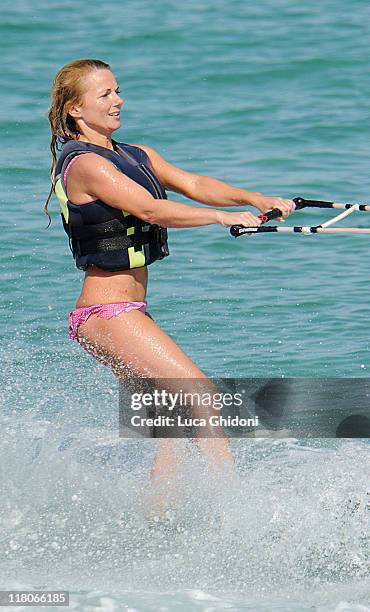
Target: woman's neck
98	139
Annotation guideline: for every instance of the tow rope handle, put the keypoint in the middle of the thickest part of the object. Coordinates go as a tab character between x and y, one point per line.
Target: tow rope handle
299	204
265	217
238	230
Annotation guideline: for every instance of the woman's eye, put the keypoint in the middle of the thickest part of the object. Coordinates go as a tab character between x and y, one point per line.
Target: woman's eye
117	91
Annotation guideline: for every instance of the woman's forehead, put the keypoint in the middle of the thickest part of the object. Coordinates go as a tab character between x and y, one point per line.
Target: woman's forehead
98	80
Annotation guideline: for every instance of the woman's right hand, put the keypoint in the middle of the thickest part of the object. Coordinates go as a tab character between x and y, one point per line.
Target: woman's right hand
245	218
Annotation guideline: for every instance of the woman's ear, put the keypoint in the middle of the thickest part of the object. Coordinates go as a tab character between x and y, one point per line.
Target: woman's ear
75	111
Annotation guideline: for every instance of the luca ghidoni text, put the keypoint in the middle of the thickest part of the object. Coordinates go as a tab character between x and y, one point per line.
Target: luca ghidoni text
181	421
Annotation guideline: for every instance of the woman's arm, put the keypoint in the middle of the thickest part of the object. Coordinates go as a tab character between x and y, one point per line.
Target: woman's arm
92	177
209	190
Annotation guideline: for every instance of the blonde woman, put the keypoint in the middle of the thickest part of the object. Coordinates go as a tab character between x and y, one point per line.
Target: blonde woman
115	212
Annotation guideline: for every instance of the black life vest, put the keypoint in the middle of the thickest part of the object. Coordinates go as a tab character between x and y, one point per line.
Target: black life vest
104	236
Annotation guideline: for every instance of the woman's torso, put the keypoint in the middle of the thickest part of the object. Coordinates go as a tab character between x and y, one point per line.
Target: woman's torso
104	286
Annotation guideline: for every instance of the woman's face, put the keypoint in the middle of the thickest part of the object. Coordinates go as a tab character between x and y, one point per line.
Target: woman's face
100	106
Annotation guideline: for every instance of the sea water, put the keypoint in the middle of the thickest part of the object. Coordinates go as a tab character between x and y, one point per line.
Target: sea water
272	97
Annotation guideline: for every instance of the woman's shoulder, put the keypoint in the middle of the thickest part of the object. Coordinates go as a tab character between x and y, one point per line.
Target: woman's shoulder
138	150
88	165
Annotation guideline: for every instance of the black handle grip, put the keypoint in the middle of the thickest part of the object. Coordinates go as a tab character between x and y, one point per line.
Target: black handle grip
302	203
235	230
270	214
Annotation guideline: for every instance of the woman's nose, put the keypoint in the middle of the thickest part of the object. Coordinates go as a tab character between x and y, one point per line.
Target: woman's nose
120	100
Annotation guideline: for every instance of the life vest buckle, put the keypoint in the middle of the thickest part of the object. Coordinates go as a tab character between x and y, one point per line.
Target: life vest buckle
160	236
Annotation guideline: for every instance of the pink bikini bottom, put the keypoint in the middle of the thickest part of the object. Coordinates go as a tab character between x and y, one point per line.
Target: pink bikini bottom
105	311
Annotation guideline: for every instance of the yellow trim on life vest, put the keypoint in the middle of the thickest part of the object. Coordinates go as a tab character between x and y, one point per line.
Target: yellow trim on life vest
62	199
136	258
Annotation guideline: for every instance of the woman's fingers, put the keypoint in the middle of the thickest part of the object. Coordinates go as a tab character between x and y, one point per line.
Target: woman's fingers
266	203
245	218
249	220
286	206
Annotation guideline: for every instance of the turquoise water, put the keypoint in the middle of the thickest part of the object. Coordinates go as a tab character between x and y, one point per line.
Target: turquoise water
275	98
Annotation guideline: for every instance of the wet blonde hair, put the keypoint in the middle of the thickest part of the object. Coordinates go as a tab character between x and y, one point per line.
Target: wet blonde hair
68	88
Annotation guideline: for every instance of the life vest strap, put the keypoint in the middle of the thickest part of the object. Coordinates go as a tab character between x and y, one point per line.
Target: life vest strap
115	243
105	228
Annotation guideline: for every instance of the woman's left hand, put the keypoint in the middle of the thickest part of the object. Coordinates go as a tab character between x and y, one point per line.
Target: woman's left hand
265	203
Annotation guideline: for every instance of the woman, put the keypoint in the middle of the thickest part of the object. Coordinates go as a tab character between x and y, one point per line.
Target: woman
114	209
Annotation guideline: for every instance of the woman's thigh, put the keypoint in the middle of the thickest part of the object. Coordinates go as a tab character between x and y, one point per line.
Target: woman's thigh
132	342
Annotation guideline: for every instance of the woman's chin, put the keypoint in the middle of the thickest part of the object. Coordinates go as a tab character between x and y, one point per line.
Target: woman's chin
114	125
